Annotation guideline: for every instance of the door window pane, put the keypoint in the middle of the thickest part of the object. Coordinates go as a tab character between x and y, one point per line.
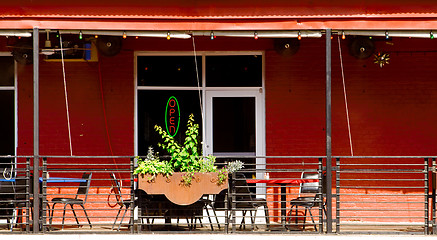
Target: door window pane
7	71
169	71
7	126
234	71
151	111
234	124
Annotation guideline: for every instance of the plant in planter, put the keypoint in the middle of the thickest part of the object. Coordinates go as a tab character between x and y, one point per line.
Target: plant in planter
153	166
190	173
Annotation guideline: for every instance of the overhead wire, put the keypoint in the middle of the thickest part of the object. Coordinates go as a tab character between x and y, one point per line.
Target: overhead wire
345	96
66	96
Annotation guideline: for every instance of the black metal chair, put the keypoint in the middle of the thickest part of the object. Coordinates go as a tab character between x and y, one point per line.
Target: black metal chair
82	190
7	199
246	201
309	197
116	187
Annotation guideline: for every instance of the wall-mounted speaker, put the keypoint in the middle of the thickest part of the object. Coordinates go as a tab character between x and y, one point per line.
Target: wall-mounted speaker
109	45
361	47
286	46
22	51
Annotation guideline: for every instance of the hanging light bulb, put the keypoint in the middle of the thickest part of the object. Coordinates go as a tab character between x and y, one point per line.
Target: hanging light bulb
136	37
431	35
96	36
255	35
124	35
299	36
168	35
386	35
343	36
212	35
80	35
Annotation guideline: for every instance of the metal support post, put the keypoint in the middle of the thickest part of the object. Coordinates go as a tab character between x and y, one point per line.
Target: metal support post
426	172
36	205
328	134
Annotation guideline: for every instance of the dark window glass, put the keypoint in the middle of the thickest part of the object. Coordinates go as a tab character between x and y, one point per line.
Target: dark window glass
151	111
169	71
7	125
233	124
234	71
7	71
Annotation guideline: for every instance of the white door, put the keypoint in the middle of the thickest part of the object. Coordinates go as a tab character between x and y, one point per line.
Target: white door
235	125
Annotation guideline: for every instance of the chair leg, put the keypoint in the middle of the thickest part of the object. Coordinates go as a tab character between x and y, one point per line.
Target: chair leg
116	217
267	216
243	221
216	218
74	213
252	219
209	217
315	226
305	219
89	222
63	216
125	210
50	215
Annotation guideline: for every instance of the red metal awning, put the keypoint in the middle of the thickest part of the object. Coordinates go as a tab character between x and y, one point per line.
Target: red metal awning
219	15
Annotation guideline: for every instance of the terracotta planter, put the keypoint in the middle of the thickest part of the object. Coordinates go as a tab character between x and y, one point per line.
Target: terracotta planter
178	193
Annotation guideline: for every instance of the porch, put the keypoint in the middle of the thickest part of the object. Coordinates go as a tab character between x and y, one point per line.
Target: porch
369	197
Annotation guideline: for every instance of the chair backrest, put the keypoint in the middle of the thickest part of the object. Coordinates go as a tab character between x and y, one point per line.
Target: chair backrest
219	200
309	187
242	188
84	186
21	187
116	188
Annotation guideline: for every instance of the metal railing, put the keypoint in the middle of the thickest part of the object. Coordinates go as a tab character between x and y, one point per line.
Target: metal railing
382	195
370	195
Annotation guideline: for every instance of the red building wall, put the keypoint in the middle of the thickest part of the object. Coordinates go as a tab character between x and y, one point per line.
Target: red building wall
392	109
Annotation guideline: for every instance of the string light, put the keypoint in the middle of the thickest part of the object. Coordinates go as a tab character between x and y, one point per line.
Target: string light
124	35
80	35
168	35
431	35
57	34
212	35
299	35
136	37
343	36
96	36
255	35
386	35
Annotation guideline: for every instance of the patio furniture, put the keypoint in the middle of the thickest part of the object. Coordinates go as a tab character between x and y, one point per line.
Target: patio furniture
82	190
246	201
123	203
7	195
312	198
283	183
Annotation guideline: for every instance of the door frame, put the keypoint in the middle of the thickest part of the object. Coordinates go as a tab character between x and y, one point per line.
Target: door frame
259	122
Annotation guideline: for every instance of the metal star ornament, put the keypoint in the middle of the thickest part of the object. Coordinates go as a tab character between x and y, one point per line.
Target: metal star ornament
381	59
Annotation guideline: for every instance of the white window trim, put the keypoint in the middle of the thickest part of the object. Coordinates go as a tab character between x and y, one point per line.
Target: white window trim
204	88
13	88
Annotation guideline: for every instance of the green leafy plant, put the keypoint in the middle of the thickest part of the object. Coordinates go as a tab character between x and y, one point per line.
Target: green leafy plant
152	165
230	168
184	157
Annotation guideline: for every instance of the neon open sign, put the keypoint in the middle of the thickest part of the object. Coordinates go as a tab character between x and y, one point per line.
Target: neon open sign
172	116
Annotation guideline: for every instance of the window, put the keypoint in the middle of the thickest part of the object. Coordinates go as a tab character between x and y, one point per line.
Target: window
7	109
169	71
